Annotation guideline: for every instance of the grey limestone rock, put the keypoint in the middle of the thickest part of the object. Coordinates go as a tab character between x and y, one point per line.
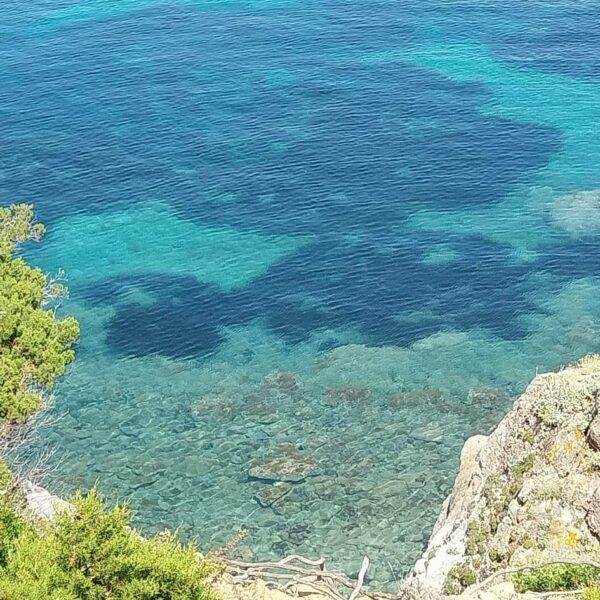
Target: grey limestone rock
42	503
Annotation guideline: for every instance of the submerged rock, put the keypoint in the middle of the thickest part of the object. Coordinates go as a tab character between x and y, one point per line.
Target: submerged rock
578	214
214	405
296	534
281	381
582	334
433	432
349	393
487	396
260	410
416	397
243	553
284	463
266	495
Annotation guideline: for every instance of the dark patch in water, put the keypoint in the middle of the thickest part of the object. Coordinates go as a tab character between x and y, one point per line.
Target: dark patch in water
391	297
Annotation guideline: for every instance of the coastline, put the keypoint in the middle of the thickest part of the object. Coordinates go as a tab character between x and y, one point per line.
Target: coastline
503	487
528	494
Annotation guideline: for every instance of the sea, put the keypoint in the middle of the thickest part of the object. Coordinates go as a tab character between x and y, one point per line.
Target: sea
350	232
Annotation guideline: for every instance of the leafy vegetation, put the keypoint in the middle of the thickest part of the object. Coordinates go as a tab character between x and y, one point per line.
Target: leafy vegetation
89	552
556	578
566	398
477	534
11	522
35	346
591	593
459	578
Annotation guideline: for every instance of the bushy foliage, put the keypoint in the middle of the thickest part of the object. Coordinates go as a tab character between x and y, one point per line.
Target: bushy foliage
89	553
11	522
556	578
35	346
591	593
459	578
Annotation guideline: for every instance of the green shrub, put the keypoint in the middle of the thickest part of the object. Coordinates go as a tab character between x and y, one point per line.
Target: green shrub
529	437
522	467
477	535
11	522
528	543
556	578
89	553
35	346
498	554
459	578
591	593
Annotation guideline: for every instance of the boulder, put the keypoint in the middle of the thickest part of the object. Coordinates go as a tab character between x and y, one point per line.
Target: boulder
528	488
284	463
41	503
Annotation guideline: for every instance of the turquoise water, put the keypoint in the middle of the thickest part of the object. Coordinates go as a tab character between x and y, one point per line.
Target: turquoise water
359	229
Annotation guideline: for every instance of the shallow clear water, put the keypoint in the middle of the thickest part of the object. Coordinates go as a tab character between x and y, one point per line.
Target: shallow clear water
380	200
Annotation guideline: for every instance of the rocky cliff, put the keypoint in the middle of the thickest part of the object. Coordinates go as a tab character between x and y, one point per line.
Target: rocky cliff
526	495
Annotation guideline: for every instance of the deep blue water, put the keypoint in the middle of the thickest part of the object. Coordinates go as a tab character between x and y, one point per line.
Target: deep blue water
382	195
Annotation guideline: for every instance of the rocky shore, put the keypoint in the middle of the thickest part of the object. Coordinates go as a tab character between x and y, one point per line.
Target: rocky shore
527	495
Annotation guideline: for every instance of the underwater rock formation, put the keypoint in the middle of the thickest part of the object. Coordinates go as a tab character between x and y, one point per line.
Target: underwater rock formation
416	397
282	381
284	463
525	495
350	393
267	495
578	214
486	396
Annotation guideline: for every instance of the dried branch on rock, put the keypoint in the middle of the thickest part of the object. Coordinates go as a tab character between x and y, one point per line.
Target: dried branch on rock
296	571
28	460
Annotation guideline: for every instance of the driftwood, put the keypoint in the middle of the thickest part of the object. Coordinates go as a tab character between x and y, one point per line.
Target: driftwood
293	571
361	577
